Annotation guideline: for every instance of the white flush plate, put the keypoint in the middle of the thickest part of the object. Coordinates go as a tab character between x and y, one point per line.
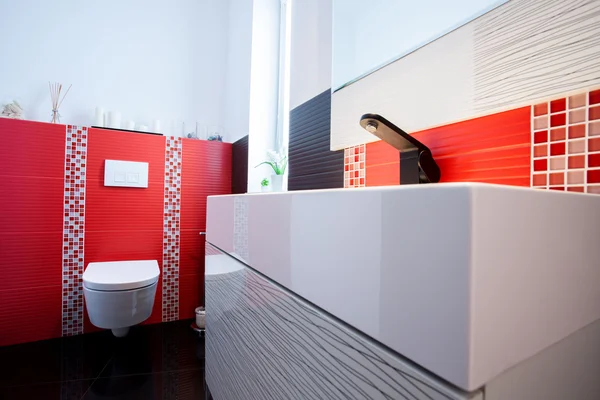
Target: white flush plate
126	173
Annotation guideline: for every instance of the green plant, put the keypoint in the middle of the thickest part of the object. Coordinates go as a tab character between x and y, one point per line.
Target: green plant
264	182
277	161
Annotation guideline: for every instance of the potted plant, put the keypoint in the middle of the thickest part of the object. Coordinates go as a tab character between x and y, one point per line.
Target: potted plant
264	185
277	161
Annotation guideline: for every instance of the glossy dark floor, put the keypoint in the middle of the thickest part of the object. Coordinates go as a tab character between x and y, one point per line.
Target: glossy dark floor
163	361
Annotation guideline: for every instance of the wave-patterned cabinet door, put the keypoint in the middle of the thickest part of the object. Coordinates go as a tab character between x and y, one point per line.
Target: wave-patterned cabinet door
264	342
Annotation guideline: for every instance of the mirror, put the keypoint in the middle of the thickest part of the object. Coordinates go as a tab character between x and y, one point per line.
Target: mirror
368	35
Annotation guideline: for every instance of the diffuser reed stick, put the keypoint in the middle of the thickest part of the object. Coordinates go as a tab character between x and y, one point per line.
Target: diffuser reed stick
55	92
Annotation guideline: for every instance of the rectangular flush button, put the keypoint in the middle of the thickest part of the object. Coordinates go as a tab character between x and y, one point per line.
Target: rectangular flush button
126	173
133	177
119	177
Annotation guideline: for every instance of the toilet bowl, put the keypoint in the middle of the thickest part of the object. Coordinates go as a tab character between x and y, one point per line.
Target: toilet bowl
120	294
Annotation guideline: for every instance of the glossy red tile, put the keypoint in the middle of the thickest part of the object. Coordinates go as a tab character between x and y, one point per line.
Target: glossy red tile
30	314
557	149
379	153
558	163
509	176
123	245
540	109
540	123
508	130
559	188
191	259
31	259
32	149
540	150
558	120
576	146
540	165
193	206
207	163
191	294
382	175
594	160
578	100
576	131
594	144
558	105
106	144
540	180
576	162
117	208
594	113
493	149
31	204
593	176
577	116
540	137
595	97
576	177
558	134
557	179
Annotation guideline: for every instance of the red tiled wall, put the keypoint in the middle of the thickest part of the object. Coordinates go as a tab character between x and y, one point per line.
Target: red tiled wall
206	169
120	223
490	149
32	157
124	223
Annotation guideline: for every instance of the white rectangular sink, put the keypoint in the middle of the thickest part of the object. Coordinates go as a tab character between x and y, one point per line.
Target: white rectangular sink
466	280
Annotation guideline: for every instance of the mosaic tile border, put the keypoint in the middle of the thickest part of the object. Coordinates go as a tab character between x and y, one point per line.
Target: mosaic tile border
240	228
73	230
355	166
565	143
171	229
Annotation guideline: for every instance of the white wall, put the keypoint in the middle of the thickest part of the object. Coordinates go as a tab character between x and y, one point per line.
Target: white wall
264	85
367	37
237	85
310	70
146	58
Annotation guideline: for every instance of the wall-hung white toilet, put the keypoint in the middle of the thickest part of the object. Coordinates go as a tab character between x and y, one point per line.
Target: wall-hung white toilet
120	294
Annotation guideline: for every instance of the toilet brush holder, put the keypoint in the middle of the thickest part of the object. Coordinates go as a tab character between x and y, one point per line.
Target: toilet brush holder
200	317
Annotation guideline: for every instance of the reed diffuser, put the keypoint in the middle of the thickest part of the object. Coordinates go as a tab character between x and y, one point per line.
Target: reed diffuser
55	91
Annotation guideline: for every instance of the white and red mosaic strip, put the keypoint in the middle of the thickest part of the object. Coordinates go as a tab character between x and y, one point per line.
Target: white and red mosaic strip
73	230
171	220
565	144
354	166
240	228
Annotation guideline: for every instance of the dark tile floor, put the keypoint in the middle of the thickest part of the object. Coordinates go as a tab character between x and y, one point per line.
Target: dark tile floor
162	361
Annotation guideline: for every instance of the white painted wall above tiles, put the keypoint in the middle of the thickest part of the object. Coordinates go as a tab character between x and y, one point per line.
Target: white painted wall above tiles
237	83
145	58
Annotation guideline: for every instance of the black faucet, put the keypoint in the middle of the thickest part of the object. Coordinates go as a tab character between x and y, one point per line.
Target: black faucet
416	162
